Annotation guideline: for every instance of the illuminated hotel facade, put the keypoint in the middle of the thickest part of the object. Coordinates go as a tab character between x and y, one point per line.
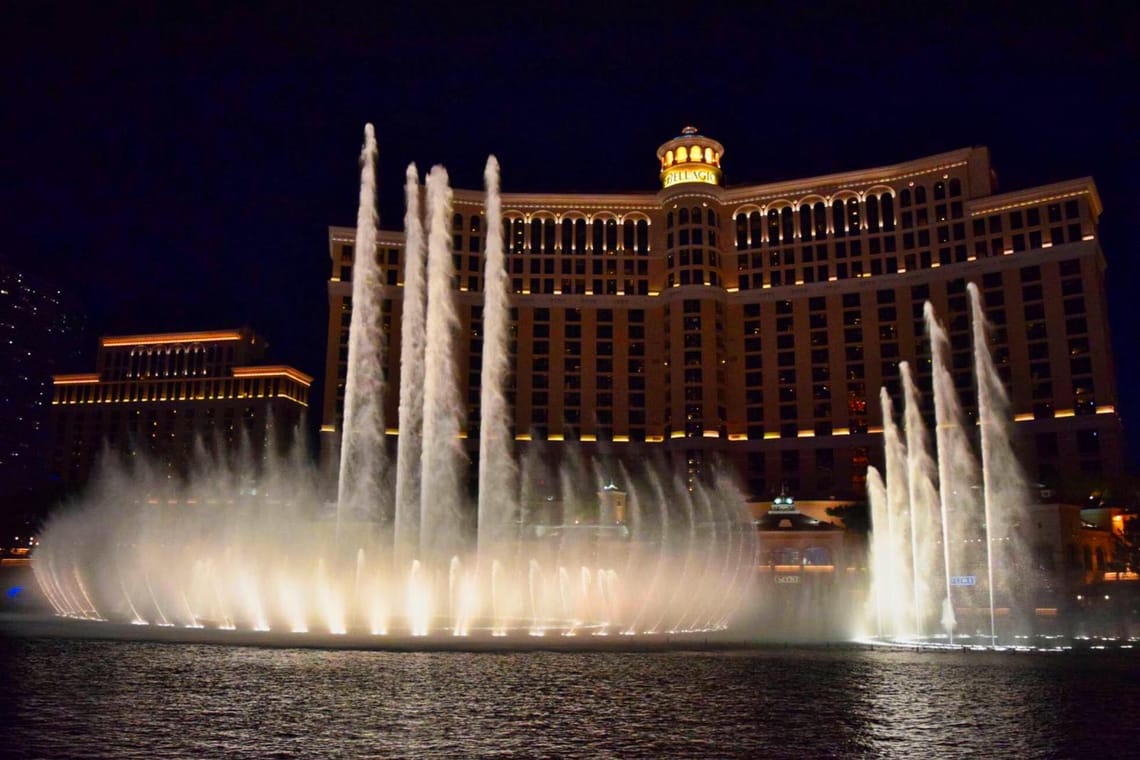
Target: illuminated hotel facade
758	322
161	394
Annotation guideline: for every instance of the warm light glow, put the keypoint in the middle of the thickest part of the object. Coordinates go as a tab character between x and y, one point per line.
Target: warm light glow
738	436
1064	413
1023	417
679	175
588	437
1106	409
806	434
75	379
654	439
677	434
277	370
841	431
328	428
188	337
770	435
555	437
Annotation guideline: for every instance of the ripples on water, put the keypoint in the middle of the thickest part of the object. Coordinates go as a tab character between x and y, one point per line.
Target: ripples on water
67	698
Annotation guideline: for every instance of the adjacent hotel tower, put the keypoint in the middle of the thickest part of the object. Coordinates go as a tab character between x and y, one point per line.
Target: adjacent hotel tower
758	322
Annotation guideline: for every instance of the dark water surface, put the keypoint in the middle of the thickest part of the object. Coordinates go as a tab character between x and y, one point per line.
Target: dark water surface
85	698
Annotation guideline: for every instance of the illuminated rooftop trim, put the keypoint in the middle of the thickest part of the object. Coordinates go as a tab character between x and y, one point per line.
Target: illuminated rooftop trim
169	338
273	370
83	379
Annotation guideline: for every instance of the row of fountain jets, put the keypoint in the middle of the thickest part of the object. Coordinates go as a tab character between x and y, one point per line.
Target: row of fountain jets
401	560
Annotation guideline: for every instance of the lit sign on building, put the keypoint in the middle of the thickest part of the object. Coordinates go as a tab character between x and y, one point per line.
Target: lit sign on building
680	174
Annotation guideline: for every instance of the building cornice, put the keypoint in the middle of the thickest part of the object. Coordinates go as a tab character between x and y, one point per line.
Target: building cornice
1031	196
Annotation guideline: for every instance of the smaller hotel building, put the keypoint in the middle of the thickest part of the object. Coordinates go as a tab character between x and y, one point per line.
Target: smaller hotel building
757	322
160	394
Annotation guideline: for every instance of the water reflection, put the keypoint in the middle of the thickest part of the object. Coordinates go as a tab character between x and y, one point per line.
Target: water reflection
120	699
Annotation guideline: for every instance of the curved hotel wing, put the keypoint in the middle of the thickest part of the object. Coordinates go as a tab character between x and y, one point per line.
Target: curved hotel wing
758	322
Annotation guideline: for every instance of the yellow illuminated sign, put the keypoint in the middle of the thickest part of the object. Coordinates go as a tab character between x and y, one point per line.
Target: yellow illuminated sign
681	174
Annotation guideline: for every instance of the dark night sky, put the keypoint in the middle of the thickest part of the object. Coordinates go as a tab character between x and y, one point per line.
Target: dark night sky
178	169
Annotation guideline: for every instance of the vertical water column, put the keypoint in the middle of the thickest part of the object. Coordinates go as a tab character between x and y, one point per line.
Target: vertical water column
1005	493
409	447
962	517
901	549
497	470
440	516
880	550
360	491
924	505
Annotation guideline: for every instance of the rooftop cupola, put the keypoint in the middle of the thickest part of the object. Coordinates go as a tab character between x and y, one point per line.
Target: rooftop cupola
690	158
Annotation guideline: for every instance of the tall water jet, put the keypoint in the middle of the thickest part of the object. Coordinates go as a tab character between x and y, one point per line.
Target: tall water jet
1005	492
880	545
901	577
409	446
440	516
926	524
958	492
497	472
359	491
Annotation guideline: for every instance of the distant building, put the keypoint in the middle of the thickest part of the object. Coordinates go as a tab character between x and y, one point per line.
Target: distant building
159	394
758	321
41	334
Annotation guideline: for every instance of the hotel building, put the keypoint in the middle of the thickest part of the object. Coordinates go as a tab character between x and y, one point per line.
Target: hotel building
160	394
757	322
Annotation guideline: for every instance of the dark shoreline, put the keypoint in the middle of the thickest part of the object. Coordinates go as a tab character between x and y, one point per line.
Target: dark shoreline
38	626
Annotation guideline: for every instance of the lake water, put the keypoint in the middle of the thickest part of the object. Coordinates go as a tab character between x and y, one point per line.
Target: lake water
66	697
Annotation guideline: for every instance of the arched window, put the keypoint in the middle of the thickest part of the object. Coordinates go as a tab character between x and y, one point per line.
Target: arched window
888	204
710	215
476	224
457	222
955	187
567	235
627	235
805	222
579	236
642	236
741	231
536	234
920	195
820	213
682	154
548	235
853	222
939	191
697	215
773	227
708	155
838	220
599	237
788	224
683	216
904	198
611	234
872	213
755	229
669	221
668	158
